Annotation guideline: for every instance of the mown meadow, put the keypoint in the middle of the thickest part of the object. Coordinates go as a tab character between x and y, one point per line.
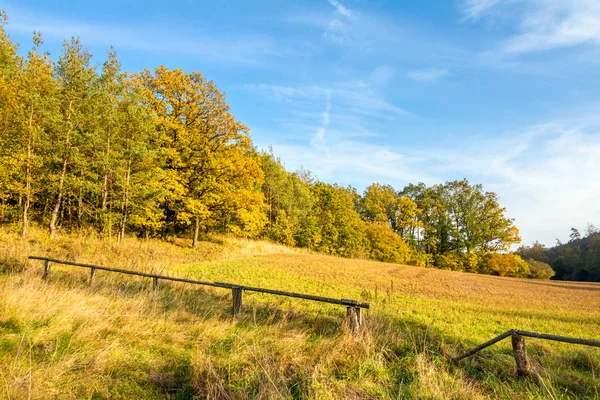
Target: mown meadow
65	339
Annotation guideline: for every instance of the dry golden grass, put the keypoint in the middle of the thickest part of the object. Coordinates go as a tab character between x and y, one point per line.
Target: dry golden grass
64	339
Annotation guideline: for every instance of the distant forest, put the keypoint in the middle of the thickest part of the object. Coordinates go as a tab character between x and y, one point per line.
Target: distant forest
86	147
577	260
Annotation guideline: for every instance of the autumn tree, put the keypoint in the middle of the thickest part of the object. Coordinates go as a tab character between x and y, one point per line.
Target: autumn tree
209	155
10	70
379	205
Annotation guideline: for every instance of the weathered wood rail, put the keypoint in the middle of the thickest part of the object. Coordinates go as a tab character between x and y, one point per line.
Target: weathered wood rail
524	367
353	307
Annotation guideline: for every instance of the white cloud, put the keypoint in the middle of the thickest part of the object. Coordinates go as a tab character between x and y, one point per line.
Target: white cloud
546	175
340	8
350	96
319	136
473	9
339	29
243	49
544	24
352	162
428	74
555	24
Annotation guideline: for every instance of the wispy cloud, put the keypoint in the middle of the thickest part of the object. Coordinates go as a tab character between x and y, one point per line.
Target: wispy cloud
473	9
340	8
355	96
319	137
428	74
555	24
339	28
543	24
238	48
545	174
352	162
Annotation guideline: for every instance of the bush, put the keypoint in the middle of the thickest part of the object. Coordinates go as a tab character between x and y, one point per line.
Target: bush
385	245
470	262
539	270
504	265
449	260
420	259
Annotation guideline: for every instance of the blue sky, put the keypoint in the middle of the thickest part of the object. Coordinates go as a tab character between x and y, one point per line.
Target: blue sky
502	92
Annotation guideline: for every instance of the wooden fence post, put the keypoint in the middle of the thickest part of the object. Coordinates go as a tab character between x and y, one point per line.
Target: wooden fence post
237	301
354	319
155	286
46	270
92	275
520	353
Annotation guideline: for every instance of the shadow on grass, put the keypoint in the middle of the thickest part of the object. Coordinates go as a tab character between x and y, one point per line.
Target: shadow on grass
212	303
579	286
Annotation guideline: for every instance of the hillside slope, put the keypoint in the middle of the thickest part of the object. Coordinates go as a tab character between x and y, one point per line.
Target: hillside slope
64	339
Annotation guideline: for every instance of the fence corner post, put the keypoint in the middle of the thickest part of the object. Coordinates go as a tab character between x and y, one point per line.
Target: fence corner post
155	286
46	270
520	353
92	275
354	319
236	293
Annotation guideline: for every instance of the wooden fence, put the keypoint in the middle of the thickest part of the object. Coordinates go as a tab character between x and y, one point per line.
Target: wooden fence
520	351
353	307
353	310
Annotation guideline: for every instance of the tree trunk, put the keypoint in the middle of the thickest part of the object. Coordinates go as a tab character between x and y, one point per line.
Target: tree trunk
61	181
27	202
105	178
55	211
125	206
104	222
196	230
80	201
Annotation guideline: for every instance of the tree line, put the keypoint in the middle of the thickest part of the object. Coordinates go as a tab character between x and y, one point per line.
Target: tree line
576	260
158	153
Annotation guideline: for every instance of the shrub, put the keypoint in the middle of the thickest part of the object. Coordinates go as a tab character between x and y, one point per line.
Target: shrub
449	260
421	259
385	245
539	270
504	265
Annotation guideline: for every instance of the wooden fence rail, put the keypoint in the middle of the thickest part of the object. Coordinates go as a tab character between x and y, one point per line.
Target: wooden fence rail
353	307
520	351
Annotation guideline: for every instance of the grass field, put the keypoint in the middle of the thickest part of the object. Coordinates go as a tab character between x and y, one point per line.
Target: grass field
65	339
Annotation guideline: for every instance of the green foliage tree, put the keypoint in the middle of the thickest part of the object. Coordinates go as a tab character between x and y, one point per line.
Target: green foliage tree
539	270
335	227
37	115
75	77
579	259
537	251
289	201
